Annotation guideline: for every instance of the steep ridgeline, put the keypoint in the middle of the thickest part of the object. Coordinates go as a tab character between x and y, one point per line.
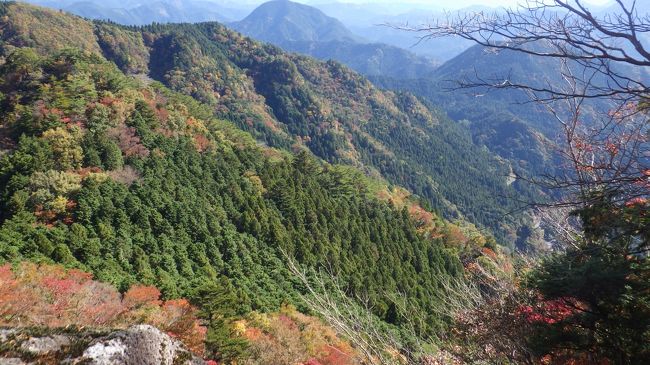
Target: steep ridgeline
502	120
122	177
304	29
505	120
291	101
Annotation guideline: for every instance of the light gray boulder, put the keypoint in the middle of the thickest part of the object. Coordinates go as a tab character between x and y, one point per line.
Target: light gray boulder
139	345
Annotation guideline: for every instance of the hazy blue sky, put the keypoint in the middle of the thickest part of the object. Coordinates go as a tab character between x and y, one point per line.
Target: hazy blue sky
452	4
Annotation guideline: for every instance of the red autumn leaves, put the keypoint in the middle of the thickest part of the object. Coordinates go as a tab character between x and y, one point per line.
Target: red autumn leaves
549	311
51	296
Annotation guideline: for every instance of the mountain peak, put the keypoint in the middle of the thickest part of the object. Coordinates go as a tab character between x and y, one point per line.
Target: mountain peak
284	20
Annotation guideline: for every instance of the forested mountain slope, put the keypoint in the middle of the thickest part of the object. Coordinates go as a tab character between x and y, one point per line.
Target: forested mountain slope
136	183
291	101
503	120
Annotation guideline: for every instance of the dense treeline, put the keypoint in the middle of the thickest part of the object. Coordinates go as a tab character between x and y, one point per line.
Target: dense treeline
289	101
138	184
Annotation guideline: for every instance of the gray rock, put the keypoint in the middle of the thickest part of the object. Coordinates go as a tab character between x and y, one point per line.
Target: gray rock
12	361
45	345
6	333
139	345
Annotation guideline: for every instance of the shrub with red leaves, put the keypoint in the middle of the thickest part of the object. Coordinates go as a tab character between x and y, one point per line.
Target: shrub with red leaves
51	296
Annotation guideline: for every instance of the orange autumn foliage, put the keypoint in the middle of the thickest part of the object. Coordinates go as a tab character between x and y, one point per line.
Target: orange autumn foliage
139	296
52	296
293	337
178	318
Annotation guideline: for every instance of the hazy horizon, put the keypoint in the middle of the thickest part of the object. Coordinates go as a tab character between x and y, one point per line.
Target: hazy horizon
443	4
405	4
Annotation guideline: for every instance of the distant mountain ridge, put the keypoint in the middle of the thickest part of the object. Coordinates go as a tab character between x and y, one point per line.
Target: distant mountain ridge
147	12
504	120
304	29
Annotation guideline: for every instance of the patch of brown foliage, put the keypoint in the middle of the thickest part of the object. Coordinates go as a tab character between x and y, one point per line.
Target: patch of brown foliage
128	141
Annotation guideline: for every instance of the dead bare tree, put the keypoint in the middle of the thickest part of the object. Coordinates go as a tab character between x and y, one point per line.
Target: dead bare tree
483	306
600	103
349	317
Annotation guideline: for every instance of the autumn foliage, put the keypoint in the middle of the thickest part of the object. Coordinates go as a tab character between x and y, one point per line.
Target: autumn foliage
549	311
52	296
290	337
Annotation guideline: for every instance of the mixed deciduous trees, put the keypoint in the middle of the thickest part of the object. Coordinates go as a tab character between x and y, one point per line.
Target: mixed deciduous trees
336	113
151	206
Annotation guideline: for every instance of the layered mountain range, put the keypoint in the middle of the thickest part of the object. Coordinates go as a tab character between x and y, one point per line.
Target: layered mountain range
304	29
149	11
173	155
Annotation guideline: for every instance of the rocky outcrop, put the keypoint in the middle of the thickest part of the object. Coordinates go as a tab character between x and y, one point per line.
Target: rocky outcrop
137	345
141	344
